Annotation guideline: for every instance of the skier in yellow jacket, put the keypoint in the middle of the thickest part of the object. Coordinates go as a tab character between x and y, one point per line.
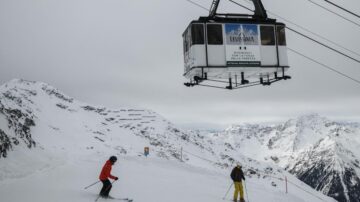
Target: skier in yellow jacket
237	175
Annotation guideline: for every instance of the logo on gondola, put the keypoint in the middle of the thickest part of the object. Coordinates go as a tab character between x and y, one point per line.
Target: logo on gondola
240	34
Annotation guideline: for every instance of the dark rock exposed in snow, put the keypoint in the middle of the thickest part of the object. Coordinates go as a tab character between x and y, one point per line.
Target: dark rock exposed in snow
19	120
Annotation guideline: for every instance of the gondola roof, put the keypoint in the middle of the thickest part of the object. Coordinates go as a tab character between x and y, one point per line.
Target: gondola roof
232	19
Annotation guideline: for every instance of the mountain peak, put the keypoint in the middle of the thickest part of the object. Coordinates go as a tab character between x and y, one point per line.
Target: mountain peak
21	83
311	119
23	91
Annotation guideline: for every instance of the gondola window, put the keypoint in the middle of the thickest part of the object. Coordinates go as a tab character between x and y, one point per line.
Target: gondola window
184	44
281	40
197	34
214	34
267	35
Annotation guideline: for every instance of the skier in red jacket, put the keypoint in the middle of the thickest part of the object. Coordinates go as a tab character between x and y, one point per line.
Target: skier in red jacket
105	175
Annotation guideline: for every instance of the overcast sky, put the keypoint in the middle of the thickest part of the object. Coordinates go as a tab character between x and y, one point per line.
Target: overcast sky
120	53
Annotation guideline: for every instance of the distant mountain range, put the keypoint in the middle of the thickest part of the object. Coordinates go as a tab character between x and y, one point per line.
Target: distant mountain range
322	153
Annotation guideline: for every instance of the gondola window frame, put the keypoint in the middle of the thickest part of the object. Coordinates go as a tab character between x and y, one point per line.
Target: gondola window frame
197	34
266	34
281	35
216	34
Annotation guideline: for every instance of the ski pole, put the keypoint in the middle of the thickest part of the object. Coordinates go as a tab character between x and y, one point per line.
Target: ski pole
228	190
247	196
105	190
92	184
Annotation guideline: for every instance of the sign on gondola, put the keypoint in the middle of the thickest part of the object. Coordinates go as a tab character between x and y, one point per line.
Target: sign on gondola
242	45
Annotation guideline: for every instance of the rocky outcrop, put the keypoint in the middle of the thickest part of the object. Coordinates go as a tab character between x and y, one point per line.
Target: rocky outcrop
19	123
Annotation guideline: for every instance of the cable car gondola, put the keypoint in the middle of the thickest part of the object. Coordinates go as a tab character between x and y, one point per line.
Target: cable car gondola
237	49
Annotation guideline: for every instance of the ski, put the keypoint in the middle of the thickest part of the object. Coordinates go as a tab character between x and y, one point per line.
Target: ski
123	199
118	199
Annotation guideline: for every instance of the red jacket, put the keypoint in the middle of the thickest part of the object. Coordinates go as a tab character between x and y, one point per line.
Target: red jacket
106	170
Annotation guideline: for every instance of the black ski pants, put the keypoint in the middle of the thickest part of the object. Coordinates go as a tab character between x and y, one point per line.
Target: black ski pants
106	188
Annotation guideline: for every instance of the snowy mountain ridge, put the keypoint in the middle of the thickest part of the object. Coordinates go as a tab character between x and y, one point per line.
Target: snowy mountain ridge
320	152
45	131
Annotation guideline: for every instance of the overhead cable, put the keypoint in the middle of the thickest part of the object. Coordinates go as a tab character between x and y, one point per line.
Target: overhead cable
192	2
326	46
241	6
333	12
326	66
342	8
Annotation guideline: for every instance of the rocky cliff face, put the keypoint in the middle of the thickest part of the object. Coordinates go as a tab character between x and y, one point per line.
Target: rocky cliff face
18	120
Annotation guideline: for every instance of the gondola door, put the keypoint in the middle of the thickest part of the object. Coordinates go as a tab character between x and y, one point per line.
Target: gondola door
215	45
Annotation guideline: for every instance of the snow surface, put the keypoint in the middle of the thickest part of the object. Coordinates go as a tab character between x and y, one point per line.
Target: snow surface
74	139
140	178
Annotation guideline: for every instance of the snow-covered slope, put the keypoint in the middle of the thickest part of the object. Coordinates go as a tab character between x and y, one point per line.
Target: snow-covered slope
322	153
52	146
143	179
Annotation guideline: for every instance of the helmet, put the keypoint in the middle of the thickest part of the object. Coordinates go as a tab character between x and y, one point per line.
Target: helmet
113	159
